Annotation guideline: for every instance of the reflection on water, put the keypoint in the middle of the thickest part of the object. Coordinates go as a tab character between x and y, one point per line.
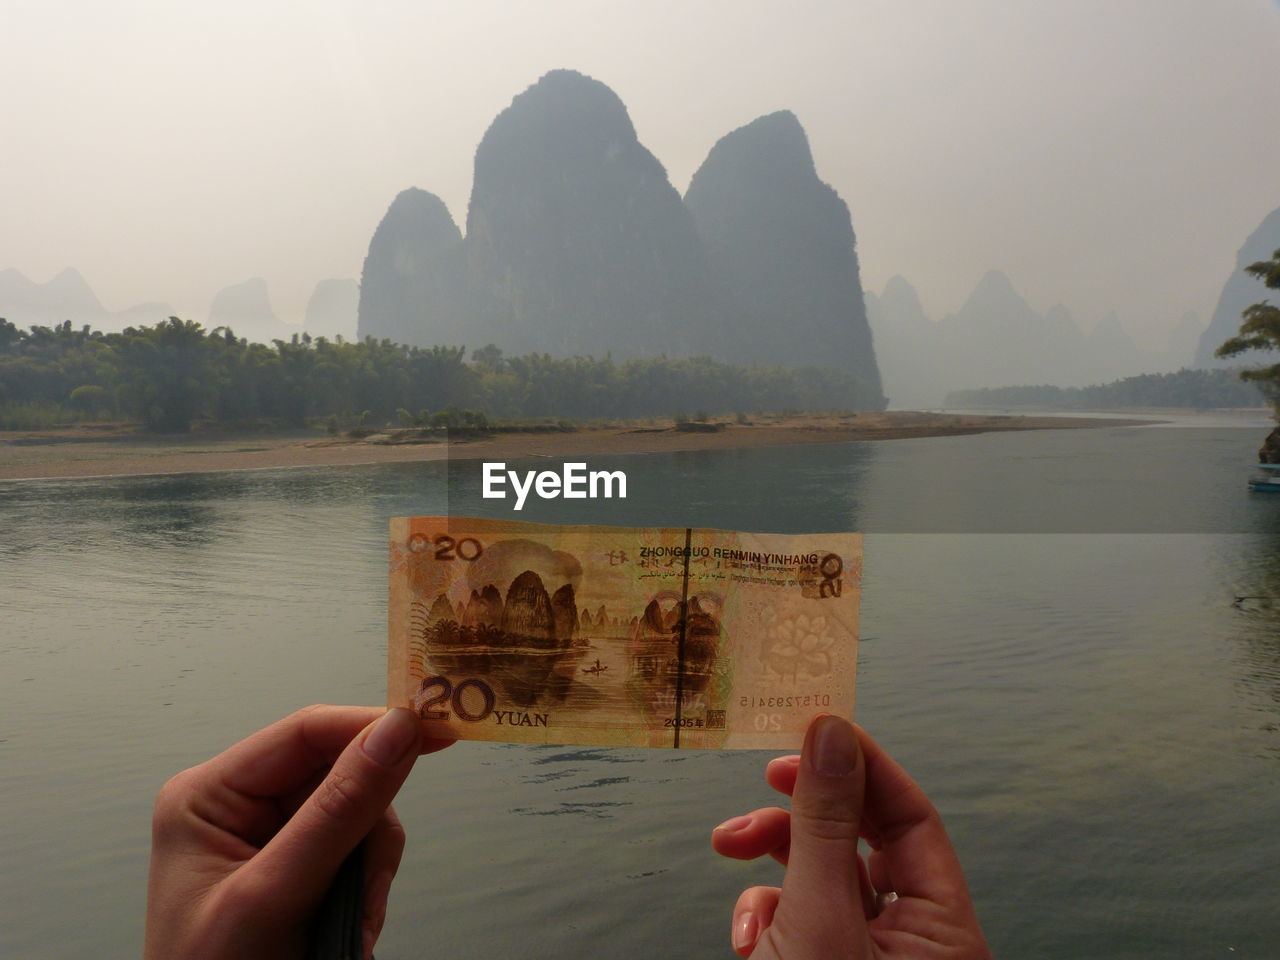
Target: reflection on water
1095	717
806	489
1255	566
1111	480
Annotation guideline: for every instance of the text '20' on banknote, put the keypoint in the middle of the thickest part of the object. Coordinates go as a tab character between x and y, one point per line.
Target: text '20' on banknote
621	636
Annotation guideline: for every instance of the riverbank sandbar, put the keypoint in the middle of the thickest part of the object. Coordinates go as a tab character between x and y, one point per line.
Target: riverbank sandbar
114	451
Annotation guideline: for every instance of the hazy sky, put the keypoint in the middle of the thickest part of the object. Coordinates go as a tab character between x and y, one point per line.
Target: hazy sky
1107	154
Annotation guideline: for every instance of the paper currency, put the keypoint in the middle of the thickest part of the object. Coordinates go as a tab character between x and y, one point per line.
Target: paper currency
620	636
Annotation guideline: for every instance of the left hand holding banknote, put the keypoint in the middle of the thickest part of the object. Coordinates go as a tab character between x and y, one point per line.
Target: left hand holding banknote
245	846
913	902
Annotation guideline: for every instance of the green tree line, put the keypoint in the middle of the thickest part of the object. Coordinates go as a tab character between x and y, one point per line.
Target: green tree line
175	373
1199	389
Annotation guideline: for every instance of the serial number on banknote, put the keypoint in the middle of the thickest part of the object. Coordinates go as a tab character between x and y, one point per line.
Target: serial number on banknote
812	700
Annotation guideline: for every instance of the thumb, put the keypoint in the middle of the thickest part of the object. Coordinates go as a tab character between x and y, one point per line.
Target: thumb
301	860
821	900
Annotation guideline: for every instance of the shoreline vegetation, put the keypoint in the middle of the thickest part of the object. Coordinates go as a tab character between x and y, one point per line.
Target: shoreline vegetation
176	375
113	449
1217	389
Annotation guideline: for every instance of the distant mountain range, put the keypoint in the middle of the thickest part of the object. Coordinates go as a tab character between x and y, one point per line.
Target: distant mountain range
67	297
997	339
578	244
244	307
331	310
1240	291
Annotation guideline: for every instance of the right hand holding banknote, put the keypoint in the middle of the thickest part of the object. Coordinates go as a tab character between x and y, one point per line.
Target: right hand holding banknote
909	899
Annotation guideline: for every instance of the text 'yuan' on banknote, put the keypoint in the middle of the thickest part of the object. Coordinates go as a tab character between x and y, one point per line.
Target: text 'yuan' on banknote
620	636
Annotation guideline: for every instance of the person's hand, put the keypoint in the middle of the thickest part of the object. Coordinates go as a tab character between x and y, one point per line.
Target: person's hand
245	846
911	902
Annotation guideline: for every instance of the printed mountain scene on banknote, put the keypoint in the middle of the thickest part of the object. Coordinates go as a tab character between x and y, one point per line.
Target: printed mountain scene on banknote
621	636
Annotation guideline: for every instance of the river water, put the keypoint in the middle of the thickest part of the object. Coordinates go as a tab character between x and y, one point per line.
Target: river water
1050	647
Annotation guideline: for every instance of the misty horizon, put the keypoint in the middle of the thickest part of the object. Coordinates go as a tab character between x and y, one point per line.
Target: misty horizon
1122	149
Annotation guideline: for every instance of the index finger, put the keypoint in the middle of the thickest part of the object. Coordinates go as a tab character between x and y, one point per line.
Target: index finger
288	754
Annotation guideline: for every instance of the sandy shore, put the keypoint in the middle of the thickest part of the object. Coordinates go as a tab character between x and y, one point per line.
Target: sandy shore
90	452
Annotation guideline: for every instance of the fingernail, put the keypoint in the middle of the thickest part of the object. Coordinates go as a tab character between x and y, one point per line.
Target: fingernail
735	824
832	747
391	737
745	931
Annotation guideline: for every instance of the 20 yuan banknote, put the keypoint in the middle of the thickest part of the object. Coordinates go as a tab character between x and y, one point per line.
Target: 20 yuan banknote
620	636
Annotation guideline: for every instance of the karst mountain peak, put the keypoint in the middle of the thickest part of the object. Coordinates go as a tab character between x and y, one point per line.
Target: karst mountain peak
577	244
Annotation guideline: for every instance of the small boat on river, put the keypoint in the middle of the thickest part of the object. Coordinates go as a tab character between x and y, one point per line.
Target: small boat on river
1267	480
